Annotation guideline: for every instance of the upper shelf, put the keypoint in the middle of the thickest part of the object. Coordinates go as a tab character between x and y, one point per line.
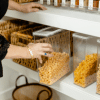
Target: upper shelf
65	85
87	23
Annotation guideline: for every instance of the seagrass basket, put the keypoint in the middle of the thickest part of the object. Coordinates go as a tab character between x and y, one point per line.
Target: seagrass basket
22	38
9	26
31	91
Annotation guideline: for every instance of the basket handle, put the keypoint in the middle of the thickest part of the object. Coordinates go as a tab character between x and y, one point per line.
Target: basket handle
38	97
18	78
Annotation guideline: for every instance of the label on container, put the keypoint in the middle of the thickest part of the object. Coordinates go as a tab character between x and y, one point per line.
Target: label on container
72	3
81	3
41	1
99	6
63	2
55	2
48	2
90	6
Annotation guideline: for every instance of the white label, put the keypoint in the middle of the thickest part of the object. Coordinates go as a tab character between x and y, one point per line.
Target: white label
41	1
48	2
63	2
99	6
55	2
81	3
72	3
90	6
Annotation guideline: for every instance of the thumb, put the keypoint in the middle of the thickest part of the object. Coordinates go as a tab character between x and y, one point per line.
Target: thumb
34	10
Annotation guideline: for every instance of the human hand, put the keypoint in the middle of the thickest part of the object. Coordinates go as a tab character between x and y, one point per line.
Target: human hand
31	7
39	49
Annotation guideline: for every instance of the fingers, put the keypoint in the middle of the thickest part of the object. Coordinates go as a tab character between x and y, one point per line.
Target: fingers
47	49
40	59
39	6
48	54
34	10
46	45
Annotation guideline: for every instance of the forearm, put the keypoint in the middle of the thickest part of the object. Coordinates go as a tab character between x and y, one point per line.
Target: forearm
14	5
17	52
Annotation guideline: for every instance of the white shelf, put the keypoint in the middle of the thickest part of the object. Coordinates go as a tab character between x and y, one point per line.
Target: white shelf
64	85
88	23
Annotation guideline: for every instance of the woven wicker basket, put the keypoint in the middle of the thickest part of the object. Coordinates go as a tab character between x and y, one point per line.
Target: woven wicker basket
22	38
7	27
31	91
24	1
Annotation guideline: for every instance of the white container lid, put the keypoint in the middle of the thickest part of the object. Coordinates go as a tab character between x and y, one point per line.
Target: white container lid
46	32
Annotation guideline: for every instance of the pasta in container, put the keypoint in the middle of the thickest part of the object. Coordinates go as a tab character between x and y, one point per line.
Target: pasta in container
53	68
84	59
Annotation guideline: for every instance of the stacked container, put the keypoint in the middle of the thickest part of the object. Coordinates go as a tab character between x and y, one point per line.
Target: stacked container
52	69
98	72
93	5
66	3
84	59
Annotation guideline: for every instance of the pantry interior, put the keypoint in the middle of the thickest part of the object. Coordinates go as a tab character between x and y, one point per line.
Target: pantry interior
64	89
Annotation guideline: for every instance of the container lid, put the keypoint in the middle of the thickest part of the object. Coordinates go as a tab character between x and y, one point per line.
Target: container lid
79	35
46	32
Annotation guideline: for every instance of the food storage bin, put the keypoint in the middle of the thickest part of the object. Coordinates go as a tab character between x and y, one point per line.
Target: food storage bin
98	68
43	2
50	2
57	3
66	3
53	68
93	5
84	59
74	4
83	4
22	38
99	6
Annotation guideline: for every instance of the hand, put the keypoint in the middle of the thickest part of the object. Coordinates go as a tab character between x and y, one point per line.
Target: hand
39	49
31	7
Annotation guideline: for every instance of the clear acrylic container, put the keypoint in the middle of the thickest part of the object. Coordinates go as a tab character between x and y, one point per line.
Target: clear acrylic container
84	59
74	4
83	5
57	3
93	5
53	68
43	2
98	69
66	3
50	2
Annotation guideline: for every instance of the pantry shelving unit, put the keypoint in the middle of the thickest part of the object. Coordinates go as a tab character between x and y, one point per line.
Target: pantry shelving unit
82	22
65	85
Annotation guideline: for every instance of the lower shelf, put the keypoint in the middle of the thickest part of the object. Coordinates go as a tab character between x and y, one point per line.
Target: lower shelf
65	85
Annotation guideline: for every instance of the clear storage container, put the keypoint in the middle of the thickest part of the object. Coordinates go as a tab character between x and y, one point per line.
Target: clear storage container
50	2
93	5
53	68
66	3
83	4
74	4
57	3
43	2
84	59
98	68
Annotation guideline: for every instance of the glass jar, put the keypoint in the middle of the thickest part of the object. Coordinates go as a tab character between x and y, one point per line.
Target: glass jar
57	3
53	68
66	3
84	59
93	5
83	4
